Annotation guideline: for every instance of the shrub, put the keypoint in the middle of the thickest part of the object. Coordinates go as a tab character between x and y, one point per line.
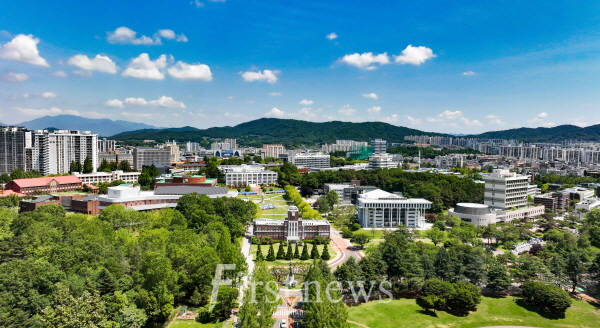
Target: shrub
547	298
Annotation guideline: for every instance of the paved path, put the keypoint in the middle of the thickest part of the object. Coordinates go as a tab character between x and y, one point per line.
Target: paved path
345	250
358	324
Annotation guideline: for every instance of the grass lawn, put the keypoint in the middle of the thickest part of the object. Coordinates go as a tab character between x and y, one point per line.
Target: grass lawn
279	213
373	234
265	251
490	312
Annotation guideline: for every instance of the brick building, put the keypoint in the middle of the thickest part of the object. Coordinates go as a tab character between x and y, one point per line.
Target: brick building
45	185
293	228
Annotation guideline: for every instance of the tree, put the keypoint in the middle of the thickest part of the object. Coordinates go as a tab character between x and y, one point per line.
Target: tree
547	298
429	302
124	166
304	255
439	291
104	166
321	310
290	252
259	254
437	236
74	167
67	310
5	178
360	239
332	198
574	269
87	165
145	179
280	252
498	277
271	254
325	256
314	252
466	296
296	252
258	300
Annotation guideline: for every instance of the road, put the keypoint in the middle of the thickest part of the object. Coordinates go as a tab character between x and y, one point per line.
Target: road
345	248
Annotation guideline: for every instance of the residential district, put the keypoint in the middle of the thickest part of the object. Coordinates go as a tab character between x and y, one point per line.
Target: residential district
491	233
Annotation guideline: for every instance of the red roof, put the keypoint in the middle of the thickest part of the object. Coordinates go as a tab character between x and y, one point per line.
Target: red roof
7	192
36	182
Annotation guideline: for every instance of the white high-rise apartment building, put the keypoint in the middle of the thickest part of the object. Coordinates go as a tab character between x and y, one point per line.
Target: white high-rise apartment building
12	148
173	150
226	144
382	161
192	147
343	145
273	150
505	190
53	152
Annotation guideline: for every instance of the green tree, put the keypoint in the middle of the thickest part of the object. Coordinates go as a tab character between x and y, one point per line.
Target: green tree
325	256
332	198
74	167
547	298
574	269
498	277
258	299
124	166
465	297
271	254
5	178
320	310
314	252
290	252
280	252
360	239
437	236
68	311
259	254
296	252
304	255
87	165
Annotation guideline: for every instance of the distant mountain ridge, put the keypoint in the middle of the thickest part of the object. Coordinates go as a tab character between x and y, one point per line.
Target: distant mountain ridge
103	127
291	133
553	134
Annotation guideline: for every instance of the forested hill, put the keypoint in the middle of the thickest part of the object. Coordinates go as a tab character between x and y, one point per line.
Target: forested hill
554	134
290	133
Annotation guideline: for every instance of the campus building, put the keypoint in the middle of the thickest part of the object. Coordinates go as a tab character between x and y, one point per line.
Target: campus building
348	193
293	228
146	156
382	161
186	180
476	214
44	185
273	150
379	146
164	196
381	209
99	177
505	190
244	175
306	160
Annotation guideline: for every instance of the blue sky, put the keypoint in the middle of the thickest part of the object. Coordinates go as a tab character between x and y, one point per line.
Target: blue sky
457	67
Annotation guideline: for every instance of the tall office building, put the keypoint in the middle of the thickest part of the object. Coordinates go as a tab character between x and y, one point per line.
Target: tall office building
505	190
273	150
307	160
145	156
173	150
379	146
106	145
226	144
12	148
53	152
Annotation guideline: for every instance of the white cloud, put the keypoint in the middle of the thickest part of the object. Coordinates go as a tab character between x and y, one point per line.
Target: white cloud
468	122
304	113
144	68
170	34
542	115
494	119
125	35
198	3
539	118
230	97
83	73
413	121
370	95
115	103
138	115
414	55
49	95
274	112
346	110
306	102
331	36
167	34
374	110
266	75
183	71
60	73
450	115
163	101
275	94
469	73
232	115
390	119
365	60
16	77
23	48
99	63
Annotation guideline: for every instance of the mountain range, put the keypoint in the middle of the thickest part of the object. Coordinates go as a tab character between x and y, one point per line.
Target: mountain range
103	127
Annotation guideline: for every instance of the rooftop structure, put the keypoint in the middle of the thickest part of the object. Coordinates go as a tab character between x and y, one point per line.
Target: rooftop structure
381	209
45	185
293	228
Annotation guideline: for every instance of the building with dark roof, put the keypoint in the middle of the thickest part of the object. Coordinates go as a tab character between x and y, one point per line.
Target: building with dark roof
186	180
293	228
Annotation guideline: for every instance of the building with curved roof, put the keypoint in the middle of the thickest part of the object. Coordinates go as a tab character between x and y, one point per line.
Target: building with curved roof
476	214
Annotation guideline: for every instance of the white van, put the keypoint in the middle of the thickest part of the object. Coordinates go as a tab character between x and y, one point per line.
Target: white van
284	323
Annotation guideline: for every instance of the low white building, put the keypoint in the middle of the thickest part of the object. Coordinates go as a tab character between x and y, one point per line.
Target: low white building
382	161
131	196
381	209
588	204
476	214
244	175
307	160
99	177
